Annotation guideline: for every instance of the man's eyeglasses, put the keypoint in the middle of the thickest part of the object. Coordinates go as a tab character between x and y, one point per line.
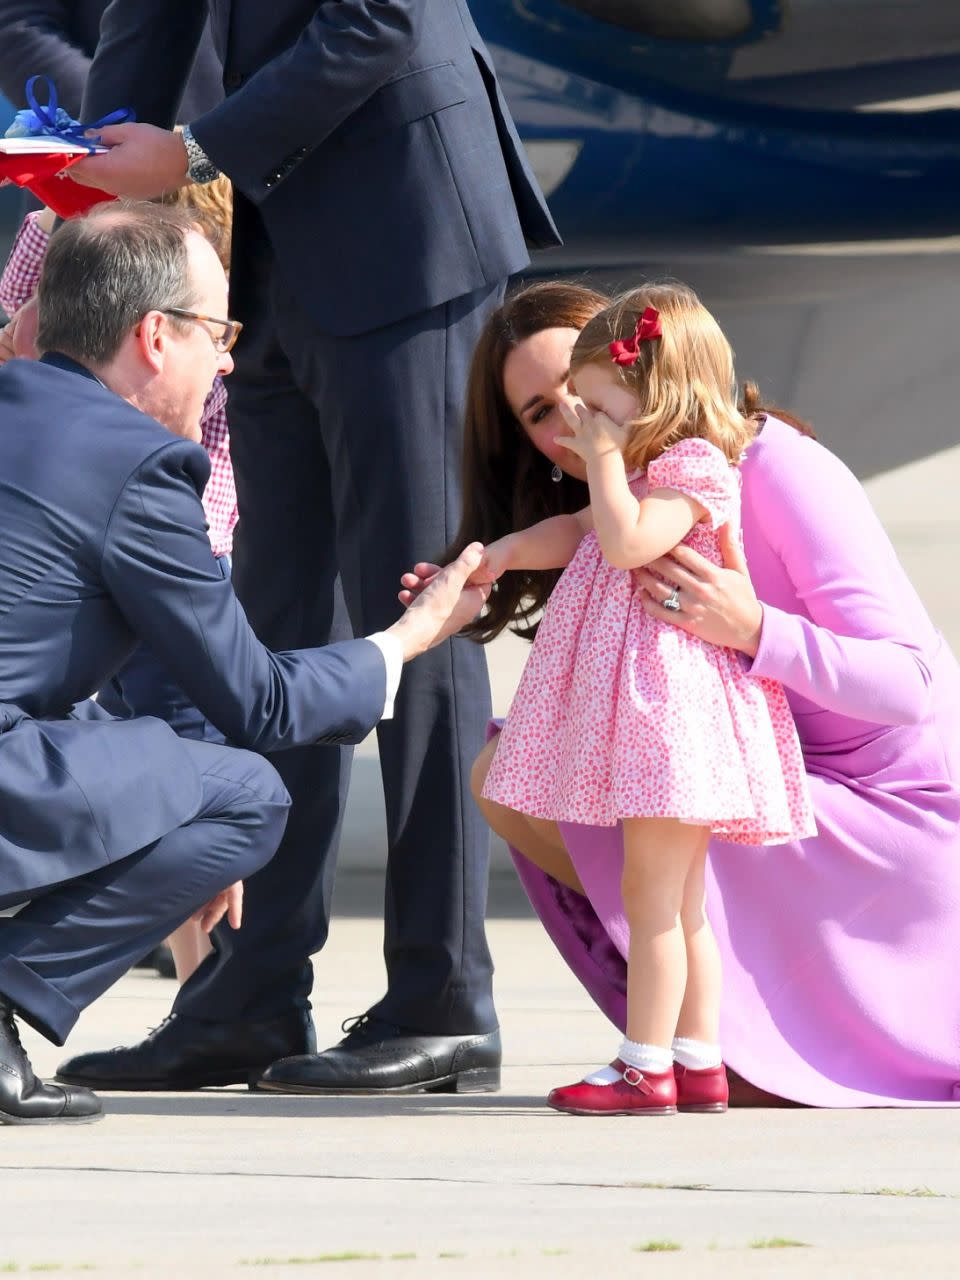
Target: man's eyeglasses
222	341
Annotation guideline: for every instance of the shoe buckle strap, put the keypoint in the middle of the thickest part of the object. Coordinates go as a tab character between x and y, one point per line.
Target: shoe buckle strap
634	1077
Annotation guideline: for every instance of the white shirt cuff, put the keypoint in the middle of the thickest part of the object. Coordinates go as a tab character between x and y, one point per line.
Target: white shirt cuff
392	652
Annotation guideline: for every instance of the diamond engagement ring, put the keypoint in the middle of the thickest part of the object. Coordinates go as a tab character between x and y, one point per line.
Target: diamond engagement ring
672	601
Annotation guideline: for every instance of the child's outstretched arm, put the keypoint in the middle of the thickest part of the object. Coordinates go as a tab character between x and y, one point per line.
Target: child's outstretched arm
631	533
550	544
21	275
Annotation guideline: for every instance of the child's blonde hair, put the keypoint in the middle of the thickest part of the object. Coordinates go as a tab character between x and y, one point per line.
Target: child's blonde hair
212	202
684	379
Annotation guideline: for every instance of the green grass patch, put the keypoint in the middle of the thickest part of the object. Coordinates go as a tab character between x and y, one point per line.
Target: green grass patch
658	1246
668	1186
451	1254
348	1255
778	1242
921	1193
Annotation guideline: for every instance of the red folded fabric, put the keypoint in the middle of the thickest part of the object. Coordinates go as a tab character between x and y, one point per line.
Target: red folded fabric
44	173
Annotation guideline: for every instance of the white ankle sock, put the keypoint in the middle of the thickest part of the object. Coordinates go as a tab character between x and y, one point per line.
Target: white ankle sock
646	1057
696	1055
603	1075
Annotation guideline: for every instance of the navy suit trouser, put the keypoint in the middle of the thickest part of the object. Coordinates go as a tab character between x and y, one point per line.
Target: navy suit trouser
73	941
347	458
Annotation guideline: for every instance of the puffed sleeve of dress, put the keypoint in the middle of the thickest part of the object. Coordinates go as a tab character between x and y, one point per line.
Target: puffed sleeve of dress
700	470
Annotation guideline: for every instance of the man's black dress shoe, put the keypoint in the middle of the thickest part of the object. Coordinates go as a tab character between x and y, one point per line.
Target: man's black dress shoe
26	1100
377	1057
185	1053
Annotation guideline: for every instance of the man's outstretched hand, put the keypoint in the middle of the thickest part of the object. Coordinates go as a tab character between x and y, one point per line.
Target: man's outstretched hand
443	605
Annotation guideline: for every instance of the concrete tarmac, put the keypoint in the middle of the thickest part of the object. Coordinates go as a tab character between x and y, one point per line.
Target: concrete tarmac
227	1183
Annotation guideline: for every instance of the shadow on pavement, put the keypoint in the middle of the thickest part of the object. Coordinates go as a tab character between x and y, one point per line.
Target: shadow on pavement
300	1107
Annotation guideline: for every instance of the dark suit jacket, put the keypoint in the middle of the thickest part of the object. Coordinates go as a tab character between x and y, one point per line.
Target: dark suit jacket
372	136
57	38
105	546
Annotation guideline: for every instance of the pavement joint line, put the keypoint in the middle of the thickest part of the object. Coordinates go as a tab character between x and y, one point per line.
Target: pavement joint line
915	1193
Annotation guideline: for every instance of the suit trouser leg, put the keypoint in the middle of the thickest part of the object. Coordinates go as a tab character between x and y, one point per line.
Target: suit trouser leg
285	575
67	946
389	407
326	483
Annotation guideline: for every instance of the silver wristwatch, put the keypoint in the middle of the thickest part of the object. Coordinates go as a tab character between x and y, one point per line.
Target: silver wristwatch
200	167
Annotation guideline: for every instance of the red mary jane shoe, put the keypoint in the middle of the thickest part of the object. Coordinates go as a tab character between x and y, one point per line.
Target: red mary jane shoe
704	1090
638	1093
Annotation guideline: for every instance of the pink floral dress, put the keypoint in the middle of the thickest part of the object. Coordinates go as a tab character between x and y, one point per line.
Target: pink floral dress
619	715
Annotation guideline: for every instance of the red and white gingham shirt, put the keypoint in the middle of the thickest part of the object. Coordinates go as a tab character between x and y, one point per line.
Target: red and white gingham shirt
18	284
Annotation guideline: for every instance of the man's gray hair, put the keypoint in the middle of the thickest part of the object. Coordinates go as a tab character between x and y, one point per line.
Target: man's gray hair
103	273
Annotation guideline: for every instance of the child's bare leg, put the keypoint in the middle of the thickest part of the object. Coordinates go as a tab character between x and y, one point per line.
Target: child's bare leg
190	947
536	839
658	856
700	1012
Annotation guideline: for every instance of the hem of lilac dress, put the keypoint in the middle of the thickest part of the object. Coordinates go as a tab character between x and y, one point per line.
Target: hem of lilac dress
577	932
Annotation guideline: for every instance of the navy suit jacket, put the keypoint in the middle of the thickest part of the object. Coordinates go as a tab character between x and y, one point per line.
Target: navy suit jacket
105	546
371	134
57	38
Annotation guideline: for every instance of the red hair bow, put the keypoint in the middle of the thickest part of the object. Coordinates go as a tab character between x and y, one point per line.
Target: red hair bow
626	350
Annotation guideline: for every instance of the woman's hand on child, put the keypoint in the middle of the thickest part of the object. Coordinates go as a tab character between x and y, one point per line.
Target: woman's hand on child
717	604
592	435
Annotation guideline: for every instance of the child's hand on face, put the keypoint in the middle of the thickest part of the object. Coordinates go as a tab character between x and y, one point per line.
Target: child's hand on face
592	435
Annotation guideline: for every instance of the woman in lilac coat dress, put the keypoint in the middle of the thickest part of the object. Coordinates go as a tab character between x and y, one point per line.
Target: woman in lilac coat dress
841	981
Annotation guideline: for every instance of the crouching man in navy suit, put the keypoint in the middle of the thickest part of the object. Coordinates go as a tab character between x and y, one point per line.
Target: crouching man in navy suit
114	832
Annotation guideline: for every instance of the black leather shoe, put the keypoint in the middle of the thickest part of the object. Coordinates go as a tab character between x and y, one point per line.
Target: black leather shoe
185	1053
162	960
26	1100
377	1057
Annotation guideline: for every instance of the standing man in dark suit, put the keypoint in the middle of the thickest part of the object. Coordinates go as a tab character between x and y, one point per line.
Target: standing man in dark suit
383	198
115	831
57	38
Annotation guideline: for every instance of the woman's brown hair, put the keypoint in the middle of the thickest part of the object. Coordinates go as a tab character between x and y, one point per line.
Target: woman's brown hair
506	481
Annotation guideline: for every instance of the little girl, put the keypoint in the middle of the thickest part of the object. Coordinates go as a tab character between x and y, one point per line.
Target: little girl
620	718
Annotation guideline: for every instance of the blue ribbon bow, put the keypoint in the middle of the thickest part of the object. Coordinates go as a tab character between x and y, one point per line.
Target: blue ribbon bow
52	121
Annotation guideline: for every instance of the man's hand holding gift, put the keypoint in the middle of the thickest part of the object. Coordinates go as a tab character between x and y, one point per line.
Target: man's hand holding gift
142	161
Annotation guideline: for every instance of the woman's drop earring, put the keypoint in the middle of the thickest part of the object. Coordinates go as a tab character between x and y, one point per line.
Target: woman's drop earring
556	475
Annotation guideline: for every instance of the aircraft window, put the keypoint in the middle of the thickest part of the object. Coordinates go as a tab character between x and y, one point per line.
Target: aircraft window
678	20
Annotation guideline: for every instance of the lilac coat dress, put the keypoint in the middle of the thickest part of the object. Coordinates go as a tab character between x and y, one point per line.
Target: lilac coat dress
840	952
